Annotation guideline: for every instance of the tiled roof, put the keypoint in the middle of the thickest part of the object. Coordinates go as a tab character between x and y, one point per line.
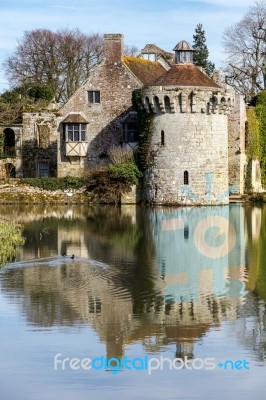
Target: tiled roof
146	71
184	75
75	118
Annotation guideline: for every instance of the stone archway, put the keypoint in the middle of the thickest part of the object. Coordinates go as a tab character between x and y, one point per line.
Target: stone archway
10	170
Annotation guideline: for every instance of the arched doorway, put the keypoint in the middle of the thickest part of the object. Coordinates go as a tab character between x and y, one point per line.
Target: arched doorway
9	143
10	170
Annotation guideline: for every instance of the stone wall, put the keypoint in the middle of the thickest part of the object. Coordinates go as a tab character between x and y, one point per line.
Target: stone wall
12	192
40	137
236	145
195	140
11	164
43	133
104	129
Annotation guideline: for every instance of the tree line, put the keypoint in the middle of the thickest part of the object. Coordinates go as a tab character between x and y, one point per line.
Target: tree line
61	60
55	64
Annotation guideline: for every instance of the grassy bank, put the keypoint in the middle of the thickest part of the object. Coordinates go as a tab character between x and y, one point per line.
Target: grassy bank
10	238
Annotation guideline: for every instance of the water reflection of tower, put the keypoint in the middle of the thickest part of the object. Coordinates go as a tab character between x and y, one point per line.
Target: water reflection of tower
201	257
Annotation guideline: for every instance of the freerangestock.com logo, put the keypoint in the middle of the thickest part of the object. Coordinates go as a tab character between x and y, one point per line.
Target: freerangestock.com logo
149	365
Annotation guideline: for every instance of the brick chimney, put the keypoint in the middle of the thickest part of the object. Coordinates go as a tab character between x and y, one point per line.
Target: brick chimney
113	47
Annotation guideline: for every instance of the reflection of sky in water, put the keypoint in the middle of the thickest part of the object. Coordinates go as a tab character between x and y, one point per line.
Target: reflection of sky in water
197	249
64	290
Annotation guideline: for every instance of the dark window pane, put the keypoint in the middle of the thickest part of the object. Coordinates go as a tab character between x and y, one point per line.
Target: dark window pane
97	97
90	97
43	169
162	138
186	178
70	136
94	96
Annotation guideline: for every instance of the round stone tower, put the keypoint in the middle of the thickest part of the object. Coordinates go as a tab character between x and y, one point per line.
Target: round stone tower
189	145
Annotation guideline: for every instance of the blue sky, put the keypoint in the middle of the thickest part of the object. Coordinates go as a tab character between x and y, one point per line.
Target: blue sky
163	22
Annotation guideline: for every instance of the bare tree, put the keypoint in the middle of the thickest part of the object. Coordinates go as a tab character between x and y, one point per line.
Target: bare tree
245	46
131	50
11	113
61	60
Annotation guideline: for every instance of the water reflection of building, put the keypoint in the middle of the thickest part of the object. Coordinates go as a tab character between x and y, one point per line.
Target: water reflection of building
200	251
161	287
50	230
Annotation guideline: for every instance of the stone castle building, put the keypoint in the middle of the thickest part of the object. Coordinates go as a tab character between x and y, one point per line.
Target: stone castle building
198	140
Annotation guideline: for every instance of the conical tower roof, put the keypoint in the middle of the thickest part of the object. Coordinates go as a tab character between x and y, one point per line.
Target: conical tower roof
183	46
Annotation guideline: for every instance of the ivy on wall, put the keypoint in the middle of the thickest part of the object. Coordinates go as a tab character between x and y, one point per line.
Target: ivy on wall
145	128
256	136
253	149
261	116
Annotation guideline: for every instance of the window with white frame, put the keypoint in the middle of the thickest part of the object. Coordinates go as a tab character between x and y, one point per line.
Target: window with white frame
75	132
94	96
149	56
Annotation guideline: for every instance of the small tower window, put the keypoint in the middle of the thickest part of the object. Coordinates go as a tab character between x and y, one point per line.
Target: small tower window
186	180
162	138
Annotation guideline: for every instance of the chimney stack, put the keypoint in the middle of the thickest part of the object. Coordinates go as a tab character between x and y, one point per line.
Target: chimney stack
114	47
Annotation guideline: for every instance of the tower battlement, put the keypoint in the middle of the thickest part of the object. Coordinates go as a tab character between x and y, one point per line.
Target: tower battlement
191	100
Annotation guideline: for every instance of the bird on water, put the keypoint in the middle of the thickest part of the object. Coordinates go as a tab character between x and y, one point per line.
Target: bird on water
72	257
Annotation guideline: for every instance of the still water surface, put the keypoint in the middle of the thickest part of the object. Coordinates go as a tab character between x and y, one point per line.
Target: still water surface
187	283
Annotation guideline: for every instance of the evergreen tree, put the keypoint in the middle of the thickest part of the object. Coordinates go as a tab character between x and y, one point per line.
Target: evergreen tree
201	53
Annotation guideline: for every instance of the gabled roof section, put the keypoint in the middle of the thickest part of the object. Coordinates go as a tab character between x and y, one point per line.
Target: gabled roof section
146	71
184	75
75	118
153	49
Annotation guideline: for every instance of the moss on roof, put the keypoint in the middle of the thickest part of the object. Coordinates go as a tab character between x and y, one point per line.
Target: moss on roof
146	71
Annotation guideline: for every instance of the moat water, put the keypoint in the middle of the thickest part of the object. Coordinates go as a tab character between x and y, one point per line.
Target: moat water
174	296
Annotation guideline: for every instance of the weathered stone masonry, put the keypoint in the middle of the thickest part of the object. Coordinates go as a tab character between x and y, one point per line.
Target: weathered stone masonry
39	144
189	137
115	83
